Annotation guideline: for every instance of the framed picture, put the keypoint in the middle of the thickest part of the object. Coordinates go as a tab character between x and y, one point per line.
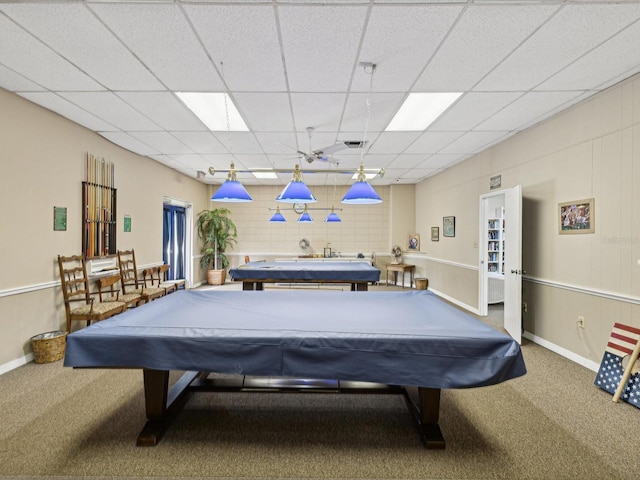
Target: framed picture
448	226
435	234
414	241
577	216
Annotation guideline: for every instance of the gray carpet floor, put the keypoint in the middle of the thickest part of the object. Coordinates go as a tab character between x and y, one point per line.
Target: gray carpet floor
553	423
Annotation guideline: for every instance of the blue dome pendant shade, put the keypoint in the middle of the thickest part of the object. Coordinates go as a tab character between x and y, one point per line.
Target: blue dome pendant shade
277	217
361	192
332	217
296	190
305	217
231	190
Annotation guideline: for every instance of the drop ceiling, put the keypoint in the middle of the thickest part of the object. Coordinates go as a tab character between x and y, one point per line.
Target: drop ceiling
114	67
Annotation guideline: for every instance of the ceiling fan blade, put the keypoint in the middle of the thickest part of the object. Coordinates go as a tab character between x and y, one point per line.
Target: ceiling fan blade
330	149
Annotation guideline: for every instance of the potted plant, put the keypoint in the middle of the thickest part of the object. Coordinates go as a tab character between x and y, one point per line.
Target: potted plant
217	233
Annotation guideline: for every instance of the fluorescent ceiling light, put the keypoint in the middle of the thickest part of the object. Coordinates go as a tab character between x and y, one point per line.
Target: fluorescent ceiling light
264	174
209	107
368	176
419	110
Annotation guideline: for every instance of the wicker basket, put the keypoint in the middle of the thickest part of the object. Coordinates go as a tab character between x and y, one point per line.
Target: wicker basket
49	347
216	277
422	283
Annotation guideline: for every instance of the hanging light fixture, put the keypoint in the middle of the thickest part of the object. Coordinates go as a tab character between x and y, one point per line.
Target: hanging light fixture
231	190
277	217
305	217
332	217
296	190
361	192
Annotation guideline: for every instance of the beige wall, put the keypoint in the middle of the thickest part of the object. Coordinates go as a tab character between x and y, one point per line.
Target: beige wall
591	150
42	158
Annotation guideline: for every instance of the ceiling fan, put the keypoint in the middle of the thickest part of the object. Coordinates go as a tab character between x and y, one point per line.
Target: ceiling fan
322	154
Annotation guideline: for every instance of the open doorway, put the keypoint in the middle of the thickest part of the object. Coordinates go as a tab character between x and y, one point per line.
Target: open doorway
177	244
500	259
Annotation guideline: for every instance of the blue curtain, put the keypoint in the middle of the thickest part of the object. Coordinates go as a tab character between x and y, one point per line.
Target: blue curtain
173	232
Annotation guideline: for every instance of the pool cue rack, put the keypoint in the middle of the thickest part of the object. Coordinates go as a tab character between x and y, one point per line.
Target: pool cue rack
98	208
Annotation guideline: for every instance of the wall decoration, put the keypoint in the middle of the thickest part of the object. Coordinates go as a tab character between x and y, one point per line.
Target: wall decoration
448	226
577	217
127	223
59	219
414	242
435	234
98	208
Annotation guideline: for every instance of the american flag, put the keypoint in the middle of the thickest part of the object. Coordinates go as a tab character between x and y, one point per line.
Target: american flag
622	342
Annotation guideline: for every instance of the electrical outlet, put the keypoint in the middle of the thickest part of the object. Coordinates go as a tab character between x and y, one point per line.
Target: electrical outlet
524	307
580	321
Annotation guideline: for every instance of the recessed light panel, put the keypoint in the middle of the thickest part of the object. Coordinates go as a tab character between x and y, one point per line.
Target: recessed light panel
420	110
210	108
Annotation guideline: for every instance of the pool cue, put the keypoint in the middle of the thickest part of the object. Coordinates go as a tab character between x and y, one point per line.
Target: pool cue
627	373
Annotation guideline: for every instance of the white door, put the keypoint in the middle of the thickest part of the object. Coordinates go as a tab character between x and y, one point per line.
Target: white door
513	262
512	202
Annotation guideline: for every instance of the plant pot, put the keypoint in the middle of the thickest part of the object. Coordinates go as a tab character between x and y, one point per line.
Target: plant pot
216	277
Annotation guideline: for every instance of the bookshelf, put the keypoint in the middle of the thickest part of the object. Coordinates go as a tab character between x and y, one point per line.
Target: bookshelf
495	257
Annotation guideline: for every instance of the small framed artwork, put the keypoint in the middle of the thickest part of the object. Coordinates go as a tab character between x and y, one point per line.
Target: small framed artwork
448	226
414	241
577	217
435	234
127	223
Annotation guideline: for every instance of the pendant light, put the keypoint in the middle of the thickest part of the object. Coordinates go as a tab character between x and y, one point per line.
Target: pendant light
231	190
277	217
296	190
305	217
332	217
361	192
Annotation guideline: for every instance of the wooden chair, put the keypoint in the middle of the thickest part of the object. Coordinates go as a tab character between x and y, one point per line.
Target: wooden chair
129	277
75	288
108	292
163	271
247	259
151	277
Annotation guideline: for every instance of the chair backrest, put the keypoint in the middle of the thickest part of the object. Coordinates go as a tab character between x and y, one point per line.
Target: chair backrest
246	259
107	285
163	270
151	277
73	275
128	270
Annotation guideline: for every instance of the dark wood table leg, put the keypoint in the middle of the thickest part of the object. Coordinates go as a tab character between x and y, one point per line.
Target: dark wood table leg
362	287
162	404
424	403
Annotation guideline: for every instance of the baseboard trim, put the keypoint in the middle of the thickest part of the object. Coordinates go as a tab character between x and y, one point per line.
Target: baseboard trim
18	362
563	352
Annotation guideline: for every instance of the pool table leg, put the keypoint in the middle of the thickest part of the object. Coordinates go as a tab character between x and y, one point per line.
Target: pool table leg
424	403
162	403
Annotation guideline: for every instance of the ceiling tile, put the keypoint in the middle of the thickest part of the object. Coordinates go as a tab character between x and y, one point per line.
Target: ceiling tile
383	107
14	82
265	112
127	141
277	143
319	110
483	37
63	107
22	53
166	110
432	142
393	142
66	28
527	108
471	109
473	142
239	142
320	44
392	25
232	34
571	33
619	54
162	142
111	109
162	38
201	142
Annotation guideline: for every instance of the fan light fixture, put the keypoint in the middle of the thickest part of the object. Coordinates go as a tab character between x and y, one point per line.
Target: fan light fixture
277	217
361	192
305	217
296	190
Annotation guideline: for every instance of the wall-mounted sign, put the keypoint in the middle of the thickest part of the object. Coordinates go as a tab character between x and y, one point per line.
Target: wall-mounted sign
59	219
495	182
127	223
